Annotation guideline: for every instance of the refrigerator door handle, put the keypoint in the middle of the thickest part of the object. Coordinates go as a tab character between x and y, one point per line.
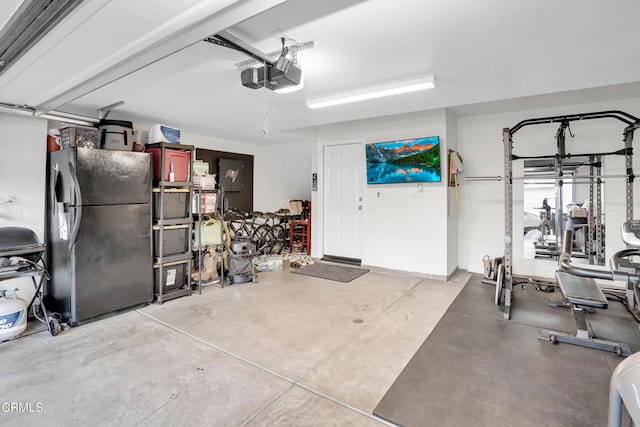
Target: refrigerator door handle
53	191
77	206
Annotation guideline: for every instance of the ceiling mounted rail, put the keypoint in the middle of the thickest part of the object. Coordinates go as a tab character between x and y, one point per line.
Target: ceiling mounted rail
225	39
32	21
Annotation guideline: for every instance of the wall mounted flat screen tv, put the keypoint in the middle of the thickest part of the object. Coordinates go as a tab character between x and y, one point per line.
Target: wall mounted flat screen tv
409	160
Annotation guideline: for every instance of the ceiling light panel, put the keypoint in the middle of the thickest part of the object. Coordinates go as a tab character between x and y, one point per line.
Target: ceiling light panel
382	91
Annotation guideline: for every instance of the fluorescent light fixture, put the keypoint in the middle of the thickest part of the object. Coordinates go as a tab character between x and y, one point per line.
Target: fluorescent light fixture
63	114
60	116
372	93
67	120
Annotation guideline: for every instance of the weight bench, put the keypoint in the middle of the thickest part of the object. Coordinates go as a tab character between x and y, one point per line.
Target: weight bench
580	294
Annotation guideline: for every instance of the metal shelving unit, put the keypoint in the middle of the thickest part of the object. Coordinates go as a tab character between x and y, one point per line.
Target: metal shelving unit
164	263
198	215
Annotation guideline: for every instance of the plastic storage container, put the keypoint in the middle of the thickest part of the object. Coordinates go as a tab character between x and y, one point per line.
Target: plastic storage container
175	240
268	262
162	133
180	159
116	135
176	203
200	167
174	276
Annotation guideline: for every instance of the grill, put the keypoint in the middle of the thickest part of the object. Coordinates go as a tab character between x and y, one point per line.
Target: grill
21	255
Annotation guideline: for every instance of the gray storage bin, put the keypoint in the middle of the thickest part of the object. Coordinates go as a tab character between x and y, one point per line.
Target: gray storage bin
116	135
174	276
175	240
175	203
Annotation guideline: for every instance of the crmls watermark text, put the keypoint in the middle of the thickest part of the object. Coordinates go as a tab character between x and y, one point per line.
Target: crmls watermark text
20	407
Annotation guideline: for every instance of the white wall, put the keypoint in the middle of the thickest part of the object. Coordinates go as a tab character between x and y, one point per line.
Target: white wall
405	227
452	208
283	173
480	142
23	151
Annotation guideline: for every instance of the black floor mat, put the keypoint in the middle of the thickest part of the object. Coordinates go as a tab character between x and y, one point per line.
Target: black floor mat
477	369
337	273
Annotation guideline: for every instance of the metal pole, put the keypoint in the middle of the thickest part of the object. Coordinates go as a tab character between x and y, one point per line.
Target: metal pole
590	224
551	182
508	221
599	243
567	178
559	222
546	177
483	178
628	145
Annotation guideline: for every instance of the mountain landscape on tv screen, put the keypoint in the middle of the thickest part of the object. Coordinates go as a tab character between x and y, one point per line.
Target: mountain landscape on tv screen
405	152
415	160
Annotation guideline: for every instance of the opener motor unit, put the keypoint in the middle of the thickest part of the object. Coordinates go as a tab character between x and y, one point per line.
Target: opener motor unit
283	73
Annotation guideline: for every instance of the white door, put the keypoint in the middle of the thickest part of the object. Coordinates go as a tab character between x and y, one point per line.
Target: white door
343	200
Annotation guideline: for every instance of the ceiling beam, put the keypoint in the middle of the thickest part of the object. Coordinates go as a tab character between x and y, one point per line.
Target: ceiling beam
192	26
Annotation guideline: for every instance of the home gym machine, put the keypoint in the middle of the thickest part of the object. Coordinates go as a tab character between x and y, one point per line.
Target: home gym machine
504	288
581	293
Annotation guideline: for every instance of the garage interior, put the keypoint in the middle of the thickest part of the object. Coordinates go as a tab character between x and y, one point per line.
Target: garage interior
273	212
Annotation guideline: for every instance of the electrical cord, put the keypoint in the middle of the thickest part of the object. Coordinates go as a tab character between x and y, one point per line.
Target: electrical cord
265	120
38	267
285	50
288	37
11	198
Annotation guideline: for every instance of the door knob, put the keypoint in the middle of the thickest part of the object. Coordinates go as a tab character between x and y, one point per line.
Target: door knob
360	207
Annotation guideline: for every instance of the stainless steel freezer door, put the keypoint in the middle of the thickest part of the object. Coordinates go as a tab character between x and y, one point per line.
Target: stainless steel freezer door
60	217
112	259
109	177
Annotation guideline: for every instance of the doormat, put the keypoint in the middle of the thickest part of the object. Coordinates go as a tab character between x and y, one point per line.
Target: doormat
336	273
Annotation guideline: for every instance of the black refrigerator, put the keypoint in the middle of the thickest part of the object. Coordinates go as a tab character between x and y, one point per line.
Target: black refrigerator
98	232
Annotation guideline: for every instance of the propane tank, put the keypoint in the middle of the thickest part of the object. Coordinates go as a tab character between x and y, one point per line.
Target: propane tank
13	314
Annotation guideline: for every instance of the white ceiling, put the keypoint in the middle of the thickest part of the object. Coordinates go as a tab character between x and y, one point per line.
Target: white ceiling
479	52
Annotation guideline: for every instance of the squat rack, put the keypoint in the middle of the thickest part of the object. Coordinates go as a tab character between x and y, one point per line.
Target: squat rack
632	123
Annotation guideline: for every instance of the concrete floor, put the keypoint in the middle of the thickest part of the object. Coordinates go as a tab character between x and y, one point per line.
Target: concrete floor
288	350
